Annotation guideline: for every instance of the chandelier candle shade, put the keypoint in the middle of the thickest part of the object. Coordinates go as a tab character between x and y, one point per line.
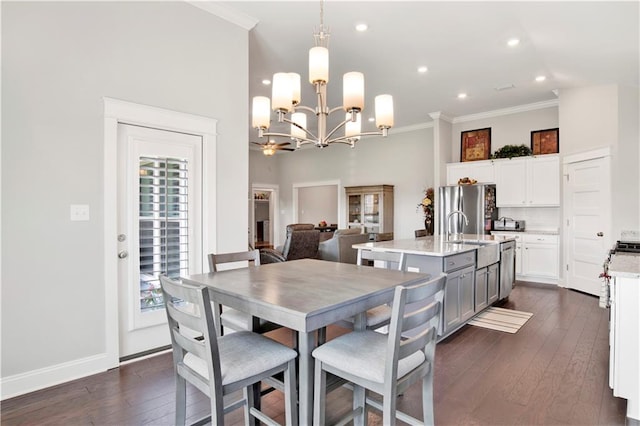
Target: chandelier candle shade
285	99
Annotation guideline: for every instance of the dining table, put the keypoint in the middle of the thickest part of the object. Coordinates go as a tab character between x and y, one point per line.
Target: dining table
305	295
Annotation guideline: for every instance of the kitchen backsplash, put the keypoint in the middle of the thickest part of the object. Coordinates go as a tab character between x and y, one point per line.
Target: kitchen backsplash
537	218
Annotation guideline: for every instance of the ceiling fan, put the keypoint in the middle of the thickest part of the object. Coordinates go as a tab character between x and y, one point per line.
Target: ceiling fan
270	148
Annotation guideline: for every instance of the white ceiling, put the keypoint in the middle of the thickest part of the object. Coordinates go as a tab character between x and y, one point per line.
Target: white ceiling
463	43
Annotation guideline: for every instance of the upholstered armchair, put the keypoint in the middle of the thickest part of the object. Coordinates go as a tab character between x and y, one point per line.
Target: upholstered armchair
338	248
301	242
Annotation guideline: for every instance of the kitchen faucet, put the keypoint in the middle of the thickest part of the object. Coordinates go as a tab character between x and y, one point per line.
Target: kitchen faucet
466	222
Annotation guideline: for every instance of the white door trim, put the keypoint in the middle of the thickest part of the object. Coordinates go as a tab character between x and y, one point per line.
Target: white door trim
275	197
297	186
587	155
118	111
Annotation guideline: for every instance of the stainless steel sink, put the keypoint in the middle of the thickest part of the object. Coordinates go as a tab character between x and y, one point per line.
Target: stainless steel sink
487	254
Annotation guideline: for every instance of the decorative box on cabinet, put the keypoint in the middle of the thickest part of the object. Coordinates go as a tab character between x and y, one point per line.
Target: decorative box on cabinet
528	181
370	207
482	171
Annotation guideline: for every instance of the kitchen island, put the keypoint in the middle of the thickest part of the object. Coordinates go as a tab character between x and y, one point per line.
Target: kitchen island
472	266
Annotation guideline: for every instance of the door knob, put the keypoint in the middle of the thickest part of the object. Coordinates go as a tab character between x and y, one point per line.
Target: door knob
600	234
123	254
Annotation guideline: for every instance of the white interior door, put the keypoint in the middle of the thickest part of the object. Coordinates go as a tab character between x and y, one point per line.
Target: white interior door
159	227
587	221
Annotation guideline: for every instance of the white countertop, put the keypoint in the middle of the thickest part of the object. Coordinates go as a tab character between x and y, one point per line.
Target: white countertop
432	246
625	265
529	231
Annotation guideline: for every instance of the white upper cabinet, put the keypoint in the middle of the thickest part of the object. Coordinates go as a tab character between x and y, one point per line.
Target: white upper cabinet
511	182
543	181
528	182
482	171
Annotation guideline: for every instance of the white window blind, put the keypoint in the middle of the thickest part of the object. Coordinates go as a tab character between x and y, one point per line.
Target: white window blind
163	224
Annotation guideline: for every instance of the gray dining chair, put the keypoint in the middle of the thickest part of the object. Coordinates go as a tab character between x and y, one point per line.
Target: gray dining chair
386	364
219	366
380	315
233	318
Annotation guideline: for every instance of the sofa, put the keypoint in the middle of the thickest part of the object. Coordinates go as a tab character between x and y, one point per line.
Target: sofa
338	248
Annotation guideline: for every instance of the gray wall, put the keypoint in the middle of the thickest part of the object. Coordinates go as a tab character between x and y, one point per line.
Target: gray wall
58	61
317	203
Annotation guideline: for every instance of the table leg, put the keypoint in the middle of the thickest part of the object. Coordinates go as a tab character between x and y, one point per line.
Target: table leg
306	344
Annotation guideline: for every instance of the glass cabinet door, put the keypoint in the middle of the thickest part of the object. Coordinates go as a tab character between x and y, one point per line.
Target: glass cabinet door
372	212
355	205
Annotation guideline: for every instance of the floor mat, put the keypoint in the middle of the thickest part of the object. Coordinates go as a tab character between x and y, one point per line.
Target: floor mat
500	319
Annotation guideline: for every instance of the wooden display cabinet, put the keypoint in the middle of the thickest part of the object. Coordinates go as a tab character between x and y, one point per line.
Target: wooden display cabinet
370	207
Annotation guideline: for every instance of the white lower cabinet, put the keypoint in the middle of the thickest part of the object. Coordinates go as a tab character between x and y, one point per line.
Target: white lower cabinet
540	256
624	329
537	256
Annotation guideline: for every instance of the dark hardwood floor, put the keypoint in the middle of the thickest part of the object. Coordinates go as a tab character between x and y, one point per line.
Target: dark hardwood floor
554	371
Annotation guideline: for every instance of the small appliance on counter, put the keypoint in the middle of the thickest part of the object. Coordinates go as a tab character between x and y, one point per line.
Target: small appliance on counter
627	247
508	224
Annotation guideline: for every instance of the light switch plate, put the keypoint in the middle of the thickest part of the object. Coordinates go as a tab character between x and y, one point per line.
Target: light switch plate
79	212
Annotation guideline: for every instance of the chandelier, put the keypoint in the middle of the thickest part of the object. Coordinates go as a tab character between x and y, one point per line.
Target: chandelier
285	102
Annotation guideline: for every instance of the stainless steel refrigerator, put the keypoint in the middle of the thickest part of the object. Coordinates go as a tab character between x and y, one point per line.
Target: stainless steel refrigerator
477	202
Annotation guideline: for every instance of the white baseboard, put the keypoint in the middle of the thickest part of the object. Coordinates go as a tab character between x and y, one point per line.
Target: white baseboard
30	381
536	279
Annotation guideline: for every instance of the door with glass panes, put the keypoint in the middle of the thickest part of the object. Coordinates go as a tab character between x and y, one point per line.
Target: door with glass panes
159	228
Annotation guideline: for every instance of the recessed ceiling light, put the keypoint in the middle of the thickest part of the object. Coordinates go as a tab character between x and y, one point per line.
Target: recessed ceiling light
423	69
513	42
372	119
541	78
362	27
266	82
462	95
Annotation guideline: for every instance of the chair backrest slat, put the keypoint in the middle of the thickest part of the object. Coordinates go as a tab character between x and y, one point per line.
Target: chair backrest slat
189	344
189	319
393	260
244	256
410	346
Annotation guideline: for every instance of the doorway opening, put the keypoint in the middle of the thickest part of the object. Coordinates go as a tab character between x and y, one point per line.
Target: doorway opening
263	208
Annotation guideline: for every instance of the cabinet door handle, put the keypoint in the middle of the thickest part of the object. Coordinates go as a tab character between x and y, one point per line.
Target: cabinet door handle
452	263
600	234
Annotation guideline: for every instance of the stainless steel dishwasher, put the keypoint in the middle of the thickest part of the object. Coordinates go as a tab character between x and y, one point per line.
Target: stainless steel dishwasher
507	268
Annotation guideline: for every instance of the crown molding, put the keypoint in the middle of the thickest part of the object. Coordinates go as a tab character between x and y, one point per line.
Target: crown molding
440	116
227	13
507	111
